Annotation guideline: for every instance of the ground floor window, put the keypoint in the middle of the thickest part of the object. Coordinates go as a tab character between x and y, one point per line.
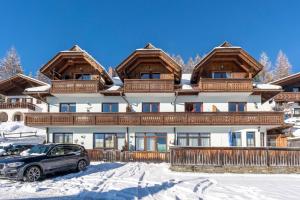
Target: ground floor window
193	139
66	138
151	142
235	139
18	116
250	139
109	140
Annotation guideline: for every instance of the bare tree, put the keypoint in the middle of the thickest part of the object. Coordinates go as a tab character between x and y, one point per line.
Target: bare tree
265	75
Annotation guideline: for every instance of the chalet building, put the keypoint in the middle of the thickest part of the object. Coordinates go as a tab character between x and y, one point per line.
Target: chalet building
14	102
289	102
150	105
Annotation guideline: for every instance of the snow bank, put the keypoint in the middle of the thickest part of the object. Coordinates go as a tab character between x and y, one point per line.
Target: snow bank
19	127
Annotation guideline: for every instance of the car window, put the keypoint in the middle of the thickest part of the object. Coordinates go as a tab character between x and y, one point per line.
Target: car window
72	150
57	151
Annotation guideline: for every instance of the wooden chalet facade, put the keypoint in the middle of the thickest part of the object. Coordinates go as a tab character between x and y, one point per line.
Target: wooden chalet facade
151	105
15	103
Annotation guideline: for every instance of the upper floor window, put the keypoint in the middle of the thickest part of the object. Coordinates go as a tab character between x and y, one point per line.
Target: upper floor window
193	107
250	139
150	75
83	77
27	100
110	107
236	106
220	75
150	107
13	100
235	139
67	107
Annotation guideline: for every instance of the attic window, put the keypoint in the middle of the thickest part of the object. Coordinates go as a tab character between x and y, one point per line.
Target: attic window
150	75
83	76
221	75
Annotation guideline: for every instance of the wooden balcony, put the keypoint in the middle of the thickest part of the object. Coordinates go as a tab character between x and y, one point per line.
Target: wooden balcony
75	86
225	85
154	119
148	85
19	105
287	97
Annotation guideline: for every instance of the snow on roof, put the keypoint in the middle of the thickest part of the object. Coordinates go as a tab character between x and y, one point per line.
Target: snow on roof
186	81
267	86
116	85
286	77
43	88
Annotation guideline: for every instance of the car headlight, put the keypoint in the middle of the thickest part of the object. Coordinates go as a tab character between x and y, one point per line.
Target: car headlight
15	164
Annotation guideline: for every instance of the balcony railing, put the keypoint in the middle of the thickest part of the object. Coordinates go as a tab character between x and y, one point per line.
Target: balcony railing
288	97
154	119
75	86
225	85
23	105
146	85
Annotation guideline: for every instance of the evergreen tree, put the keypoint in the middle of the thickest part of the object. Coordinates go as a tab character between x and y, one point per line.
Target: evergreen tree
282	67
265	75
10	65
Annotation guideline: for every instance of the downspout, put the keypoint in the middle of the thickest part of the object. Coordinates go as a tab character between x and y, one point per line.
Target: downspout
128	104
175	132
127	128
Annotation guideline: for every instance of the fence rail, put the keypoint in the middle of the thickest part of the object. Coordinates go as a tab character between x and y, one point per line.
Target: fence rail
230	156
19	134
127	156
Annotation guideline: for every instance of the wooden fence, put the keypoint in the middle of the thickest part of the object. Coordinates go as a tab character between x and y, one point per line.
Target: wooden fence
231	156
128	156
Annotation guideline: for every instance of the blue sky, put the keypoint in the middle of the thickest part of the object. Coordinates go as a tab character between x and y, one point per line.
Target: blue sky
111	30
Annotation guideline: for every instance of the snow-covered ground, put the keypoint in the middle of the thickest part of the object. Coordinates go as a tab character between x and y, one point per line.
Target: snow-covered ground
153	181
14	128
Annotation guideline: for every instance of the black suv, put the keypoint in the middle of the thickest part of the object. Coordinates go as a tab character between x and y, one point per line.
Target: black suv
44	159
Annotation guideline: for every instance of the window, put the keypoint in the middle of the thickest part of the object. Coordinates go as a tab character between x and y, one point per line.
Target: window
150	75
296	111
193	107
220	75
235	139
38	101
66	138
151	142
110	107
13	100
193	139
27	100
262	139
295	89
250	139
67	107
150	107
109	140
83	77
237	106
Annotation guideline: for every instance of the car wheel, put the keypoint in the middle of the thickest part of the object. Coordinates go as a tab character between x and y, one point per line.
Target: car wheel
33	174
82	164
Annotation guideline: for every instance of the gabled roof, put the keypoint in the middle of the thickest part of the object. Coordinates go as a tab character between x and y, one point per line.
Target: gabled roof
287	80
149	52
226	49
18	83
67	57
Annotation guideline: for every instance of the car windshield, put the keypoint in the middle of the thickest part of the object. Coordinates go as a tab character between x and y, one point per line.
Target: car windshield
39	150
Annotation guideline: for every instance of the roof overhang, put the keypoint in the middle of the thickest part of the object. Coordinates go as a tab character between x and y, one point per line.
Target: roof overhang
228	53
148	55
266	94
75	55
